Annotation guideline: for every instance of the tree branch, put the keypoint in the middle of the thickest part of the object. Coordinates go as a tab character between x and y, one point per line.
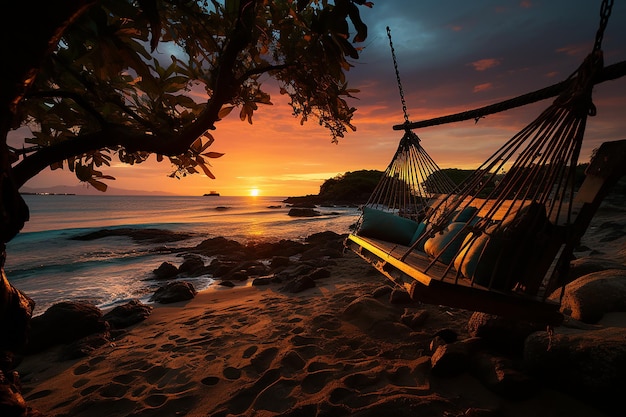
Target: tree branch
111	137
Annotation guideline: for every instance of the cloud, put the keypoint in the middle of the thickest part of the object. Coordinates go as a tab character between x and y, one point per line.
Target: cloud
483	87
485	64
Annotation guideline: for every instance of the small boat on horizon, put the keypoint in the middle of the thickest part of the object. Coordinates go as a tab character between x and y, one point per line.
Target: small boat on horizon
212	194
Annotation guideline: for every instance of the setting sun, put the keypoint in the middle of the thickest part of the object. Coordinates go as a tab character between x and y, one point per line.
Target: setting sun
254	192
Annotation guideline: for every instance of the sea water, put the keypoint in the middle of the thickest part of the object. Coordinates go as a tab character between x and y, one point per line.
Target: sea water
49	266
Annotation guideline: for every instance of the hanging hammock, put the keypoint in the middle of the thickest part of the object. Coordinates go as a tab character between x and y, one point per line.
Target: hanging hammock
502	242
407	187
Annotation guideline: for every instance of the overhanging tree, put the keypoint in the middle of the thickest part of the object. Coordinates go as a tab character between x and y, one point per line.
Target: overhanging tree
90	81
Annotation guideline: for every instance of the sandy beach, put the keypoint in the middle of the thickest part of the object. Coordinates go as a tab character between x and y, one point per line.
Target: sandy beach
338	349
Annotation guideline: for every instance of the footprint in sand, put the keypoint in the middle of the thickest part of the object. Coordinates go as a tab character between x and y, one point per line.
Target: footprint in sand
250	351
231	373
39	394
155	400
82	369
124	378
210	380
262	361
316	381
276	398
241	401
81	382
114	390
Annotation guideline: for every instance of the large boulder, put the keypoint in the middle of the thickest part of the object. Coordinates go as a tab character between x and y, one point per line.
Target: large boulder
63	323
589	297
588	364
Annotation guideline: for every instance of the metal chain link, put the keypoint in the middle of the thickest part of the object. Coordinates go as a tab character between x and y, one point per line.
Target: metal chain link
605	12
395	66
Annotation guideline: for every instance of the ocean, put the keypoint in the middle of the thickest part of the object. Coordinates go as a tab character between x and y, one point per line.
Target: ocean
46	264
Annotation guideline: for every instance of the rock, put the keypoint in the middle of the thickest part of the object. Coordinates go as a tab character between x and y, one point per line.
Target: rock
261	281
502	333
382	291
319	273
414	319
174	292
220	246
303	212
12	403
450	359
192	266
63	323
128	314
295	270
400	296
366	312
165	271
587	265
588	364
498	374
588	298
299	284
324	237
283	248
279	261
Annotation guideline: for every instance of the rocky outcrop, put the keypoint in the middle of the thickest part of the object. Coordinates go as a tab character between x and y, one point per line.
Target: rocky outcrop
174	292
63	323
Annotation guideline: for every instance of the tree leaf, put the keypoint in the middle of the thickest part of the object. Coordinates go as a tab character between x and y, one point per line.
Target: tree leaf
225	111
213	154
207	172
100	186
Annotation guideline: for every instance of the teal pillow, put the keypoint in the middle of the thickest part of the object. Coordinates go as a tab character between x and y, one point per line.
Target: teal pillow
453	234
387	226
464	215
421	228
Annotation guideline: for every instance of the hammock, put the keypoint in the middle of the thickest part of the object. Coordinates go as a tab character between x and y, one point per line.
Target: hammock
501	243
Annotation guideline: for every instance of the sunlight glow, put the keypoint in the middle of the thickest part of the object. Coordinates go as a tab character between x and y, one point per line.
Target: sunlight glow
254	192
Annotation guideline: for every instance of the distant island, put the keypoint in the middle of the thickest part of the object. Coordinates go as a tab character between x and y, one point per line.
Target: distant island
45	193
212	194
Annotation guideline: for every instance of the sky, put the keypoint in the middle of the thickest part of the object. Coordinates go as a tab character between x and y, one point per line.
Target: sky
453	56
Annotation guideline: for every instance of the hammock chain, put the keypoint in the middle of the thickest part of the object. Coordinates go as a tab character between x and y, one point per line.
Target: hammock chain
605	13
395	66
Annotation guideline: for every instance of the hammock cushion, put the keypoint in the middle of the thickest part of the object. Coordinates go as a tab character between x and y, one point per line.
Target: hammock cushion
421	228
387	226
506	251
464	215
445	244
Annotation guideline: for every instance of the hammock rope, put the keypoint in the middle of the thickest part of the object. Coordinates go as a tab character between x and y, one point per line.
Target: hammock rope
412	178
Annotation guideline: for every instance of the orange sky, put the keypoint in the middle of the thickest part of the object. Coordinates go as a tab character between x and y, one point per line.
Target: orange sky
451	59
